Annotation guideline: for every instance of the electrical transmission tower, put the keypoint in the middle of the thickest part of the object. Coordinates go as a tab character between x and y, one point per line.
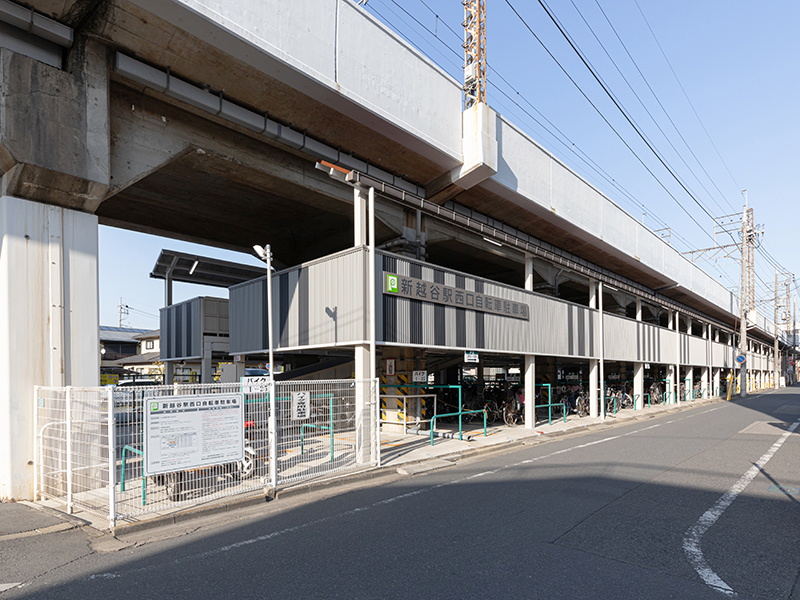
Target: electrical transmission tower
744	225
474	52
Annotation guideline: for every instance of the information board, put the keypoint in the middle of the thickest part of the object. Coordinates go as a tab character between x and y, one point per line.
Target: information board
301	405
471	357
419	377
188	432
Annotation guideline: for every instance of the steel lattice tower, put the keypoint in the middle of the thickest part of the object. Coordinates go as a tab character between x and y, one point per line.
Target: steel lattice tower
474	52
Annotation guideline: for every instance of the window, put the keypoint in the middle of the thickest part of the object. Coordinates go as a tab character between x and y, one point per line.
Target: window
149	344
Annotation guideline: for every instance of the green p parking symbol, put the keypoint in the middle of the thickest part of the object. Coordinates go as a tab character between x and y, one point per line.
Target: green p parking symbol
391	284
154	406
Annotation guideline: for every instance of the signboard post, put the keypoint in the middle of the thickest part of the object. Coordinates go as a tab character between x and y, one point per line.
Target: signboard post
189	432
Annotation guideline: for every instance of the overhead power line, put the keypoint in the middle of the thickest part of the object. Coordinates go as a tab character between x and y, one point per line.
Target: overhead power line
622	111
674	74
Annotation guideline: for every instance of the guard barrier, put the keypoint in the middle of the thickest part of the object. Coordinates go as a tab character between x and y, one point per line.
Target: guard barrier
93	444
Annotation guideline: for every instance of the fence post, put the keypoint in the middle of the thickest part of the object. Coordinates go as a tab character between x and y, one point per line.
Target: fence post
69	449
273	432
112	461
37	479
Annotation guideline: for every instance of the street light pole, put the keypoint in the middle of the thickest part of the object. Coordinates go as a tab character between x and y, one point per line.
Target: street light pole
265	254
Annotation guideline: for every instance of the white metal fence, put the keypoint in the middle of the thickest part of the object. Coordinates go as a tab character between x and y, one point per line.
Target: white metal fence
90	442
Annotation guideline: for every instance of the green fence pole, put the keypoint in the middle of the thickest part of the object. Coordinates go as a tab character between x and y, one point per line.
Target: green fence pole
122	476
330	420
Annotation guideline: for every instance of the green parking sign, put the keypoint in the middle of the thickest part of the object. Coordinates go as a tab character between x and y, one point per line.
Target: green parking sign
392	285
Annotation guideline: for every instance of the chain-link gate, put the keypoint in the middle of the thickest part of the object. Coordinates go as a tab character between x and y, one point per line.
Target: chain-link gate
81	433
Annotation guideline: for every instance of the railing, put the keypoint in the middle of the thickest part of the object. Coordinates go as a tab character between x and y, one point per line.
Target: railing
550	406
122	476
86	437
328	427
460	429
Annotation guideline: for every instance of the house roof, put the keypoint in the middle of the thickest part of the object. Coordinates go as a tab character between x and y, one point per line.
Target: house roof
139	359
149	335
119	334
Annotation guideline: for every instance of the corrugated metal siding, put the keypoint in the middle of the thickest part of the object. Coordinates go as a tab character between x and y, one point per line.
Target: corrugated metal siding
181	330
721	355
635	341
556	327
321	303
668	350
698	351
620	338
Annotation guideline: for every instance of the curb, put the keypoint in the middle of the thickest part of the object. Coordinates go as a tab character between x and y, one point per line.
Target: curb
408	469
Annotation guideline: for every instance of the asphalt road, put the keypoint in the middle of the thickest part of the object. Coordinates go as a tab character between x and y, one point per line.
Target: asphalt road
659	508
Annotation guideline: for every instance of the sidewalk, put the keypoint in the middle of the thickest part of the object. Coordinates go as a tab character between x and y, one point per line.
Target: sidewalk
25	519
400	454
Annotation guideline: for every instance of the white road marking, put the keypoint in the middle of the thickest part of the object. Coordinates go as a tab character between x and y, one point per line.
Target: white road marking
274	534
8	586
691	542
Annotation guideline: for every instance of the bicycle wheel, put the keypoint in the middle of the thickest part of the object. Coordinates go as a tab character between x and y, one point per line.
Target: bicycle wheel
491	413
583	409
509	417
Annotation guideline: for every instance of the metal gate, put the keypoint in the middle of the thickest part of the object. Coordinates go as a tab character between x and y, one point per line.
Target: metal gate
90	442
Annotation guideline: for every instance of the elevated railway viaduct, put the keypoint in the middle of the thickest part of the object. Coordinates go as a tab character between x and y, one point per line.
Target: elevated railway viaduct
242	122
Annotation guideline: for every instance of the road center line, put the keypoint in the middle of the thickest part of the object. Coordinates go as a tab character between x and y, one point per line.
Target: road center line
691	541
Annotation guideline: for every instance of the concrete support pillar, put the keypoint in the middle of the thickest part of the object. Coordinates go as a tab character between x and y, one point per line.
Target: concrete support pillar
638	385
594	373
677	322
594	365
704	379
359	216
169	372
530	391
601	342
688	383
206	366
716	382
239	365
48	321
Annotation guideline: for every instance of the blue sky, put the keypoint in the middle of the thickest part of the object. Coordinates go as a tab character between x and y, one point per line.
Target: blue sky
736	62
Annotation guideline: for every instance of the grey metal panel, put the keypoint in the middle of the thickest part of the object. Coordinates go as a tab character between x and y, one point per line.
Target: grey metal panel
182	336
323	304
247	317
620	337
697	351
721	355
667	347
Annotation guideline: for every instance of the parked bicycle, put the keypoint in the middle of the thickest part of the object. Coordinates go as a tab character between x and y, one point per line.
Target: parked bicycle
656	393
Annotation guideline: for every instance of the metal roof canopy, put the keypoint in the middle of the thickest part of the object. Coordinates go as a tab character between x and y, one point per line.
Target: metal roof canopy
191	268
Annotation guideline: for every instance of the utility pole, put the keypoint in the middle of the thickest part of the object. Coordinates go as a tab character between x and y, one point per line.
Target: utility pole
123	312
474	52
776	365
743	305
